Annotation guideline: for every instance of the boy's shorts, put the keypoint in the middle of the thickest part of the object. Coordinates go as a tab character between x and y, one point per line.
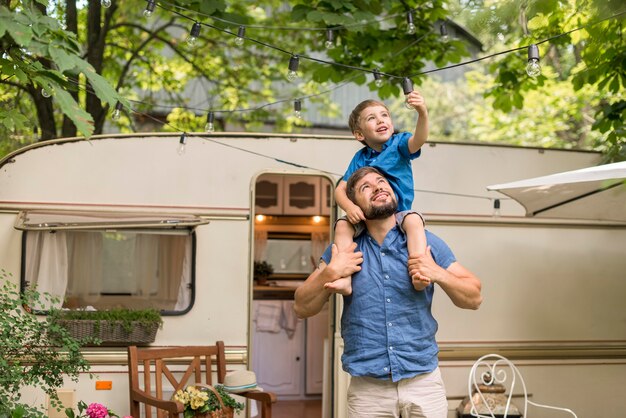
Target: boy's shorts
360	227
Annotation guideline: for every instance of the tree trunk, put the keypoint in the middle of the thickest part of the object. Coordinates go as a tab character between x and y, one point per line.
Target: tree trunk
71	21
95	42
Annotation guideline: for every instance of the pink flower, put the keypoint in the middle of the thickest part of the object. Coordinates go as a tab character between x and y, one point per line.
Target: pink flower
96	410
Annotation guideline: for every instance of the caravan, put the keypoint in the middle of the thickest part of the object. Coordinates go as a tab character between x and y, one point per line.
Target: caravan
129	221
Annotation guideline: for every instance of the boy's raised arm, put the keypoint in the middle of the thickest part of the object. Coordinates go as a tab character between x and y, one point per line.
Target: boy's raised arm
420	135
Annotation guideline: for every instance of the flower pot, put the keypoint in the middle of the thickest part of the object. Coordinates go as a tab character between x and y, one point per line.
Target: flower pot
111	333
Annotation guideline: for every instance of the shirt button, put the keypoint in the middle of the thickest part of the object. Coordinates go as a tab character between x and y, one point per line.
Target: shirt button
385	368
388	300
383	254
386	276
389	324
390	348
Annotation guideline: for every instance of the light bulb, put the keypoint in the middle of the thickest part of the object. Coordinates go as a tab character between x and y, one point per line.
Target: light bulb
329	39
294	62
241	33
297	108
410	26
533	69
182	143
407	88
210	126
117	112
105	3
378	78
193	35
149	8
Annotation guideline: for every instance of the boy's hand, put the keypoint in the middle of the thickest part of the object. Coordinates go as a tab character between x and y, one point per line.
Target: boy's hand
416	100
355	214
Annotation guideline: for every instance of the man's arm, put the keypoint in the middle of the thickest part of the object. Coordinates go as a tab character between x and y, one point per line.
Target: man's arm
311	296
461	285
421	127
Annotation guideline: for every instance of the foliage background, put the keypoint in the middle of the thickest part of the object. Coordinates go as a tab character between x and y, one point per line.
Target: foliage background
89	58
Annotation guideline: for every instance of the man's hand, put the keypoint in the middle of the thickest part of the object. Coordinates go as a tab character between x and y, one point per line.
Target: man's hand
342	264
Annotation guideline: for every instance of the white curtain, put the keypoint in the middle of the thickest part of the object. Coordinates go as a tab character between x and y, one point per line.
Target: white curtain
48	264
260	243
184	290
146	264
85	267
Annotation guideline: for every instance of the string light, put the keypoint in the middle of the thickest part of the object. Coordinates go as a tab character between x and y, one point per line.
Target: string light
210	127
45	93
378	78
407	88
330	39
496	208
533	69
117	112
182	143
149	8
193	34
105	3
294	62
241	33
410	26
297	108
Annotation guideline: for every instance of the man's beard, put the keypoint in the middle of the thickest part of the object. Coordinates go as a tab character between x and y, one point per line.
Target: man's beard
381	211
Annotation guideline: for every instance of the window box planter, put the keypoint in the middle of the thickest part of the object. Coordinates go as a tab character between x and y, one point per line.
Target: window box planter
118	327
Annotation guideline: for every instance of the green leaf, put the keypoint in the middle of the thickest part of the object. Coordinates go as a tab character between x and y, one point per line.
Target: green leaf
80	117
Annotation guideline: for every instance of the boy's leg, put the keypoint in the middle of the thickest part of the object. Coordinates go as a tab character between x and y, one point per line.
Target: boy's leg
344	231
413	225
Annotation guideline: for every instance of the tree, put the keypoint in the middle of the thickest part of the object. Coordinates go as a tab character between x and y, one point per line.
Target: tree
145	60
157	75
584	67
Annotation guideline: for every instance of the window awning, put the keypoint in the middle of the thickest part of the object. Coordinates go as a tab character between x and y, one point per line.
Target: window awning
39	220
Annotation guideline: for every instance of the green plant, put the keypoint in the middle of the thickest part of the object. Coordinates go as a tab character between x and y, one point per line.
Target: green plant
201	400
263	269
128	318
35	352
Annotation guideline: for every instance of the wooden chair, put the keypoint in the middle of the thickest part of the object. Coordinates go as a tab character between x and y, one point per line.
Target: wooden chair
157	362
491	370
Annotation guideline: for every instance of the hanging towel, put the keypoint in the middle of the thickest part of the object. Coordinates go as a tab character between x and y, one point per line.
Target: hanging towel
267	317
288	318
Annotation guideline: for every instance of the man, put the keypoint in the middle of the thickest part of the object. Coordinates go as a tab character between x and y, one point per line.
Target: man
387	326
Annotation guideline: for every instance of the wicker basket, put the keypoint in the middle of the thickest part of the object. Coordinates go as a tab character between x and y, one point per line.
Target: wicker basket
111	333
224	412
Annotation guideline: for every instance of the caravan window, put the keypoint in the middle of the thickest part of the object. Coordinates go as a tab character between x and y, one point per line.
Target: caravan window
104	269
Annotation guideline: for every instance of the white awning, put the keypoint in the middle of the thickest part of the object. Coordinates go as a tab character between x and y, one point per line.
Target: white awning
593	193
40	220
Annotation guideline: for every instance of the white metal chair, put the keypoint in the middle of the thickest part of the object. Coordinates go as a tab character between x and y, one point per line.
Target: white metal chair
493	369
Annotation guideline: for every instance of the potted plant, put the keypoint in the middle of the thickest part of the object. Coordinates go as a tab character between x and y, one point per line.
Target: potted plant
112	327
35	353
262	270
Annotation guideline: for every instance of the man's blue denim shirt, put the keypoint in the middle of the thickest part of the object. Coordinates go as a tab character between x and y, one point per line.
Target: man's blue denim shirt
387	326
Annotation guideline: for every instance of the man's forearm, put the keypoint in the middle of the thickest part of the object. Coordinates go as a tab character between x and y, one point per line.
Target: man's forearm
311	296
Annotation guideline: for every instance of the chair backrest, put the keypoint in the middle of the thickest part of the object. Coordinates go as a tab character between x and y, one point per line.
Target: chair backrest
491	370
157	369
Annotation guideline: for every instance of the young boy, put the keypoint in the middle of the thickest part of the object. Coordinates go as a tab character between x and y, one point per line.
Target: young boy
371	124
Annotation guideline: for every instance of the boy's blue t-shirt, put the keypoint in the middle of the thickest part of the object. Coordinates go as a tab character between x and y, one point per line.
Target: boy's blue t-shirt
394	161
